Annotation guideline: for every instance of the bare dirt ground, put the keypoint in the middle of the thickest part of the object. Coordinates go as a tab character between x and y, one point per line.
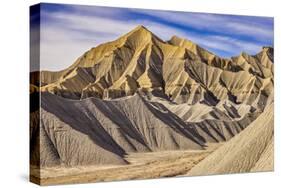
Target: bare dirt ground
142	166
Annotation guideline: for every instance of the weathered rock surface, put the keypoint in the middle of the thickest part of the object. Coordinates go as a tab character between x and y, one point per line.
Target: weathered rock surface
140	93
182	70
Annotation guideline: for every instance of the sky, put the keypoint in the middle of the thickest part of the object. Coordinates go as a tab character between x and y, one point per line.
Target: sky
67	31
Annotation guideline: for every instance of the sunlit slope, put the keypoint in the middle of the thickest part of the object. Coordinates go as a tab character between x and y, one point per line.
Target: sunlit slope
179	68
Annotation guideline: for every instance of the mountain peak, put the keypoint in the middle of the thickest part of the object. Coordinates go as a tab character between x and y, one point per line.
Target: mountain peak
178	41
191	46
141	35
244	54
140	28
175	37
267	49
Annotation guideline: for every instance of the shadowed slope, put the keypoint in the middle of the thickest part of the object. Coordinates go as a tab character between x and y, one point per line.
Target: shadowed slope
114	127
107	130
134	129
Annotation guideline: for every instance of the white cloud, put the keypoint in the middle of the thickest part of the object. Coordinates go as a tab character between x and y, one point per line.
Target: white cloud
62	44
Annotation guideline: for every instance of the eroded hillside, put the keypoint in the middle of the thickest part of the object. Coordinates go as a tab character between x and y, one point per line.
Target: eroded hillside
142	94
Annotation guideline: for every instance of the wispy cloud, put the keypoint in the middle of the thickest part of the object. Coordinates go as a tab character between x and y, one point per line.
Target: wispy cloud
229	45
68	36
224	24
68	33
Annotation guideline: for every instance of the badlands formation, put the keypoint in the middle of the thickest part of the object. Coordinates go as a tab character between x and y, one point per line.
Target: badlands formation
141	94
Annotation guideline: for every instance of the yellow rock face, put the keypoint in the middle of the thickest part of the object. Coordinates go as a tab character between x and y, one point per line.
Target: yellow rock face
181	69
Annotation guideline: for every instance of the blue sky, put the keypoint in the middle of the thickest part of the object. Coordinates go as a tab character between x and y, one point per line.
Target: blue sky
67	31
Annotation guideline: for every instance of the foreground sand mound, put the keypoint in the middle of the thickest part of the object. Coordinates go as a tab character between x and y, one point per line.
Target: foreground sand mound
251	150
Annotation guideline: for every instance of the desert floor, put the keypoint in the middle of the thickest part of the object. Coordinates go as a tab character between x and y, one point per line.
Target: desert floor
141	166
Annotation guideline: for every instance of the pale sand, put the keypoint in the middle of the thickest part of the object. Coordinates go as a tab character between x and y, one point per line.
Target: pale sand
141	166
